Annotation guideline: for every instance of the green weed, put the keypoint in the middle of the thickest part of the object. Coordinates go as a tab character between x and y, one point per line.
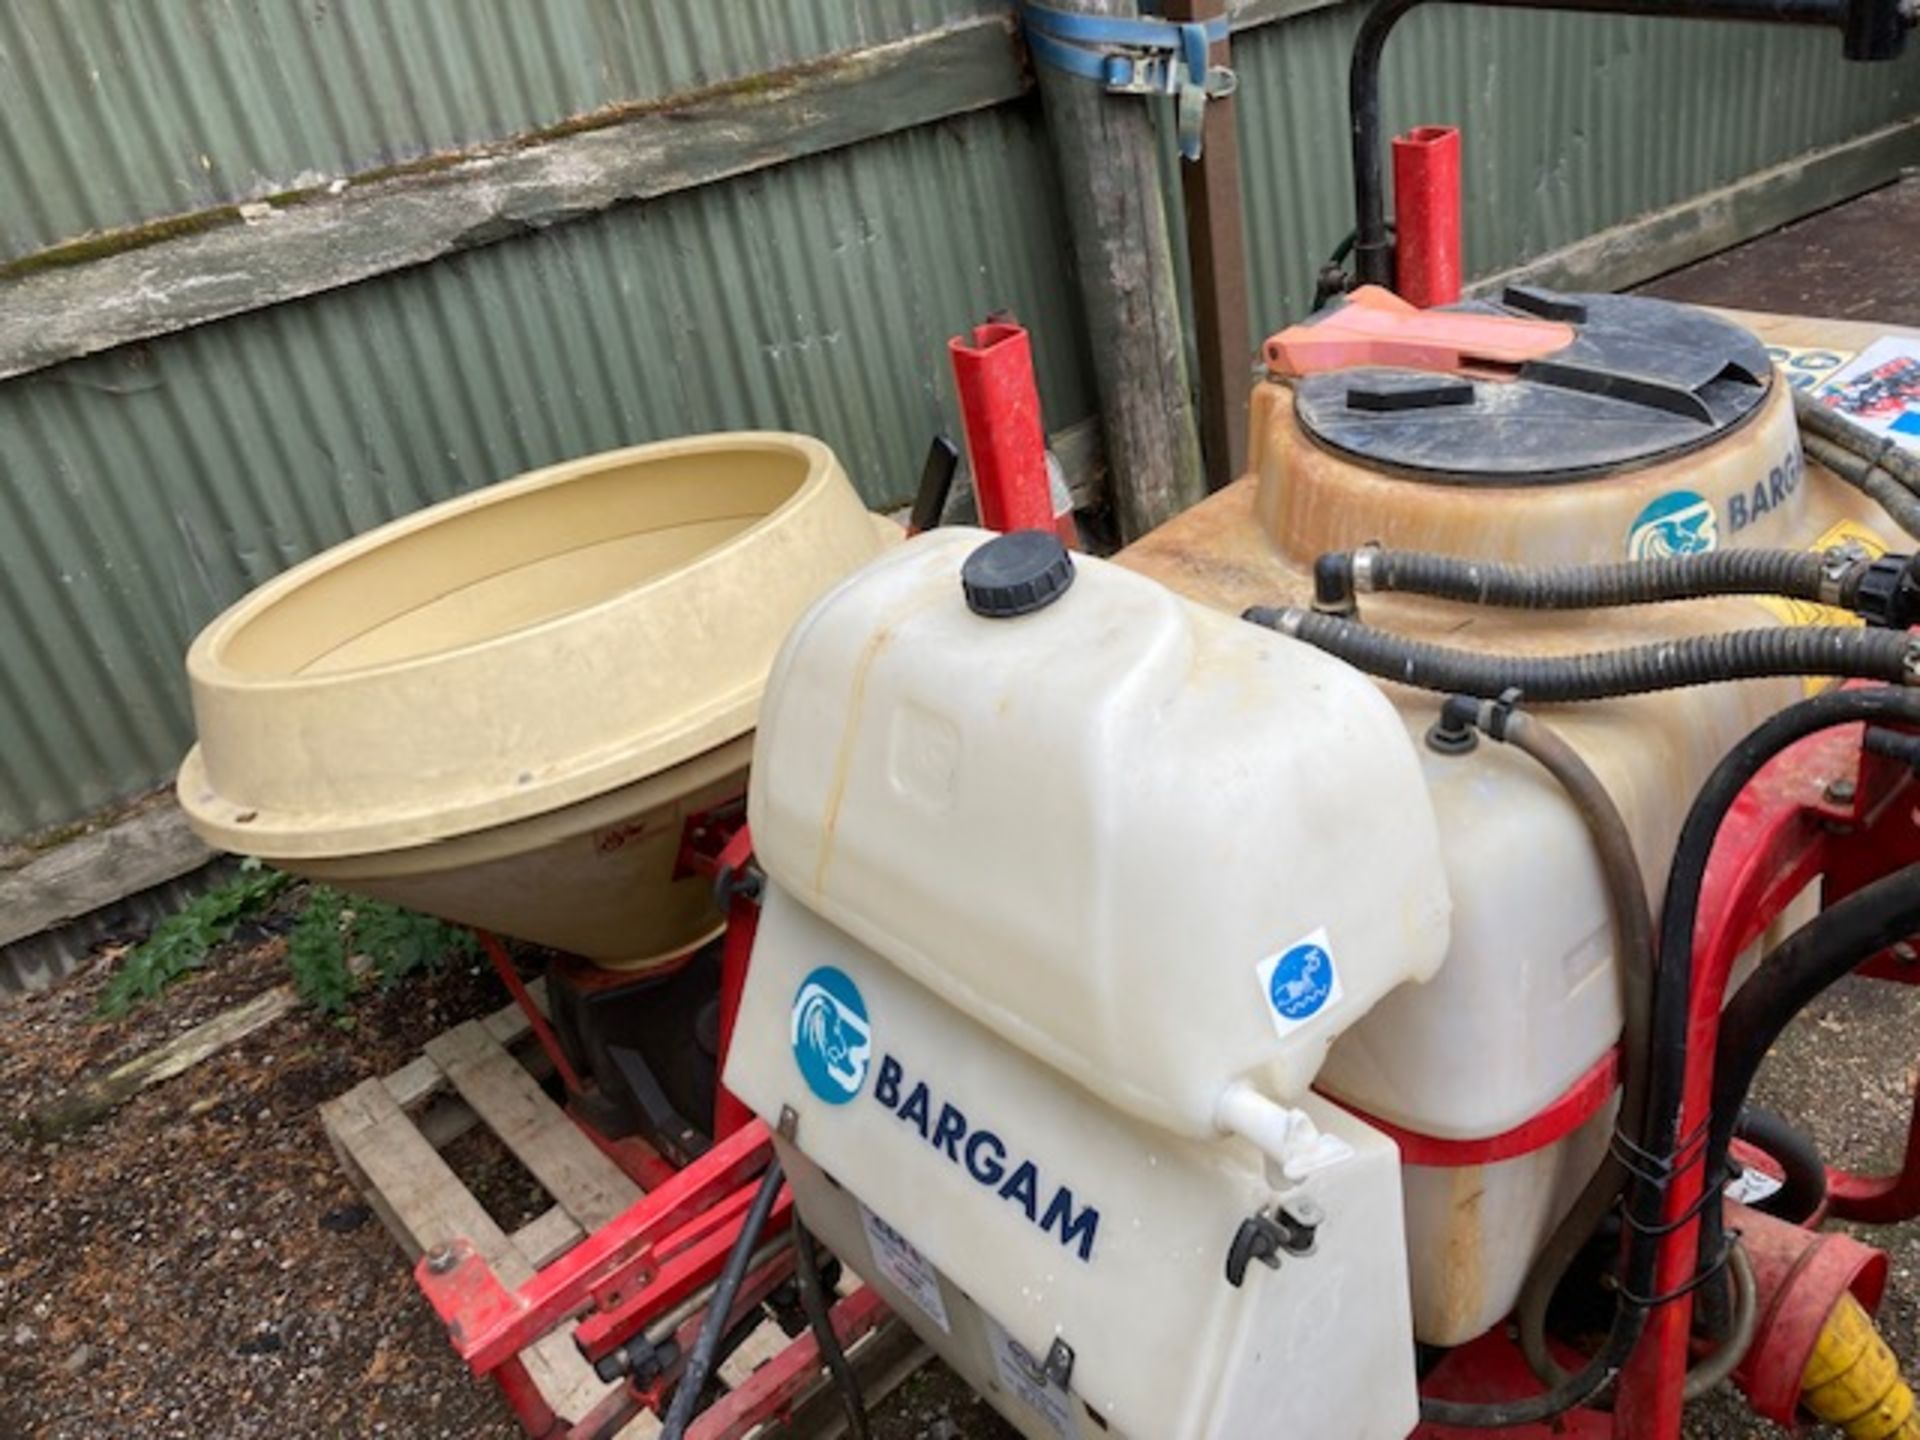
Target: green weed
330	932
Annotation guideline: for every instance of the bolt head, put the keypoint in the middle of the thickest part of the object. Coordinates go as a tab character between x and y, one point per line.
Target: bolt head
441	1259
1840	792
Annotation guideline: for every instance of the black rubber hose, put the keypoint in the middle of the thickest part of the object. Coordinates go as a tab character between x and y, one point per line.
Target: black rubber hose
1667	1048
1855	652
686	1394
1825	949
1802	1170
1808	717
813	1299
1799	574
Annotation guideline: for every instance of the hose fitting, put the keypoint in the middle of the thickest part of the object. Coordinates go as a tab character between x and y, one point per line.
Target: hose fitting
1853	1381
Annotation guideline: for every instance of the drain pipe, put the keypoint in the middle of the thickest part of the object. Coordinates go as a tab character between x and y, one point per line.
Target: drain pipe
1870	29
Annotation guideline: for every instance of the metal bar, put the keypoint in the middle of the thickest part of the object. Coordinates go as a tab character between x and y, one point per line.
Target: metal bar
676	1279
490	1323
1217	251
522	1394
770	1393
1882	1199
1773	844
1000	416
1867	38
517	988
1426	191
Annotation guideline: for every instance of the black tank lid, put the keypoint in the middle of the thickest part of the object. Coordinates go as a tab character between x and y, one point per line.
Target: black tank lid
1016	574
1644	380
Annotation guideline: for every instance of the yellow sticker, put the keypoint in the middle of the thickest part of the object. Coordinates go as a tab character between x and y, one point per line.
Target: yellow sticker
1805	612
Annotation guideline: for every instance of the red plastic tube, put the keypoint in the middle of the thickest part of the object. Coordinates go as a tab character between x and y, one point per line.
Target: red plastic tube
1426	215
1000	412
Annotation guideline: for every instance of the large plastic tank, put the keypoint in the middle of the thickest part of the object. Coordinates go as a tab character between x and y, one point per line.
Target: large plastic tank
1055	897
500	709
1527	1000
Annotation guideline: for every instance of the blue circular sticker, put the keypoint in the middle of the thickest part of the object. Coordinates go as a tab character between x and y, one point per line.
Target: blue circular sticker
1301	982
832	1041
1680	522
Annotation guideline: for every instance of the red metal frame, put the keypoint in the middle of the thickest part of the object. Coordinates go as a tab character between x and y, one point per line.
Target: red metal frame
1785	831
665	1249
1881	1199
772	1390
517	988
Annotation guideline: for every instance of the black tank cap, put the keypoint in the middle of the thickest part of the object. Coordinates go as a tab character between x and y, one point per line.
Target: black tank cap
1016	574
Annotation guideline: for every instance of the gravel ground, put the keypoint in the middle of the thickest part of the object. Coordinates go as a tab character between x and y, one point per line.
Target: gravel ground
196	1264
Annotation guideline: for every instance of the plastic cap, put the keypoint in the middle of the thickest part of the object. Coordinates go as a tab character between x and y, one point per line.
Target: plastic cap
1016	574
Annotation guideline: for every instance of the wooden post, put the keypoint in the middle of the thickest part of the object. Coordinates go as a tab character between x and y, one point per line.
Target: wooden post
1217	247
1109	178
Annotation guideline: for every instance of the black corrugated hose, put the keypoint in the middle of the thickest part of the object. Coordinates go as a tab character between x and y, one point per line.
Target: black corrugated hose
1850	651
1798	574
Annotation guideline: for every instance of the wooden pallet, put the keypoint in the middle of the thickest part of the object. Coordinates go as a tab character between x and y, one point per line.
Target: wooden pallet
389	1134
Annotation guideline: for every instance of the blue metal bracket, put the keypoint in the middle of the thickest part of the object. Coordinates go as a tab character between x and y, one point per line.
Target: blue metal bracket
1136	56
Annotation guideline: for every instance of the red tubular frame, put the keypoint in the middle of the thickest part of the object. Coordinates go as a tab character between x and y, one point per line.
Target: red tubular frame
1781	835
1426	215
663	1250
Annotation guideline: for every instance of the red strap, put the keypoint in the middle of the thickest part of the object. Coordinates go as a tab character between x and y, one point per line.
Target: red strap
1579	1103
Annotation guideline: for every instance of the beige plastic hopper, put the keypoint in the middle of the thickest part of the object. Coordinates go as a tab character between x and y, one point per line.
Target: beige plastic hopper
498	710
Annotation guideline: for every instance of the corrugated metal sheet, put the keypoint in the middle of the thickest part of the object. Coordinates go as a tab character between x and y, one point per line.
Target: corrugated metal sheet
147	488
118	111
35	963
1573	123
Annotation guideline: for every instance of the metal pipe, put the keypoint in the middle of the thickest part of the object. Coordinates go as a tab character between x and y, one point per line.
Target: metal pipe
1871	30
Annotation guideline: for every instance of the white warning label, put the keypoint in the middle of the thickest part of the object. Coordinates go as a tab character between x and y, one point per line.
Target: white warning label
905	1268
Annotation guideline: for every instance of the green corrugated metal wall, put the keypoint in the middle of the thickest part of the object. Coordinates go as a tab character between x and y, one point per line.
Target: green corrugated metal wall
143	489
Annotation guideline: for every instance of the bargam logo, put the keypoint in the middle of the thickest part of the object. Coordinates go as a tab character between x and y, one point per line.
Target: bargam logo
832	1039
1681	522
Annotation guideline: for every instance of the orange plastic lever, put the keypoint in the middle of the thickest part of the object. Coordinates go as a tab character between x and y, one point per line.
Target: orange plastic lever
1377	327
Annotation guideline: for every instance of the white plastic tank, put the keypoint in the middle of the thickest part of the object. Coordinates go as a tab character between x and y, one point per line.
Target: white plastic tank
1154	846
1007	1213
